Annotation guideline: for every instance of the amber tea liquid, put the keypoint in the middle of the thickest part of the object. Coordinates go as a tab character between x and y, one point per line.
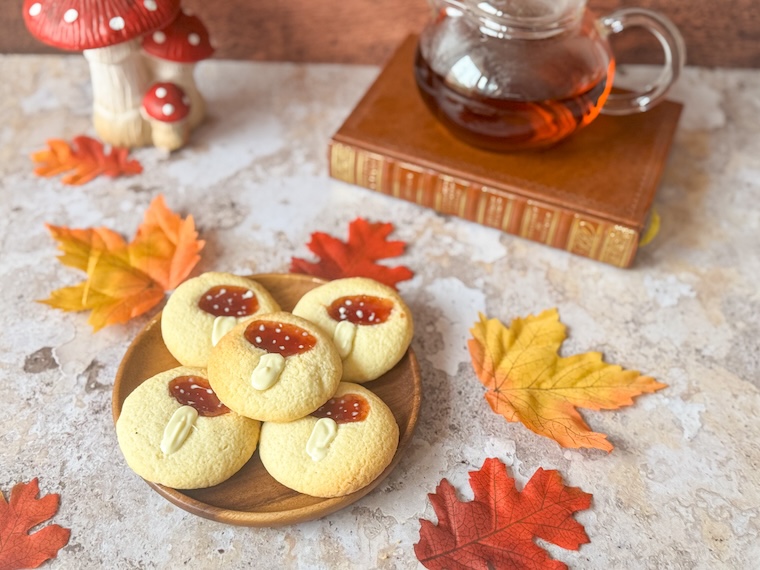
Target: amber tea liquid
507	124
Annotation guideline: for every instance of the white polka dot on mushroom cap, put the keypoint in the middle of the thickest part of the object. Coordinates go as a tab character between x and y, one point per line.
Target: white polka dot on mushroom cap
167	109
159	37
70	16
116	23
194	39
35	9
150	5
161	92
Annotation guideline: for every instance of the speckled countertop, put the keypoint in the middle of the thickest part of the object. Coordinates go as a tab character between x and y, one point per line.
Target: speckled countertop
680	490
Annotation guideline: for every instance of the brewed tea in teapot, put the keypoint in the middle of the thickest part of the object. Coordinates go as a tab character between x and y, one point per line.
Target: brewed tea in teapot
511	75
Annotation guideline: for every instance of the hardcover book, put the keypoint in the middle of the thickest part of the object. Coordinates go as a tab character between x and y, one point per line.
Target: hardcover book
590	195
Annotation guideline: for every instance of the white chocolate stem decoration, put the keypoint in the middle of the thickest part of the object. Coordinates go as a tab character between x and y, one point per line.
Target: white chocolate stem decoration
222	325
344	336
178	429
267	371
322	435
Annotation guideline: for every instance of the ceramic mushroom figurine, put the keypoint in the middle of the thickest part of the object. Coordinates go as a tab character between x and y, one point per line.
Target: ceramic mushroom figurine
166	107
173	52
108	31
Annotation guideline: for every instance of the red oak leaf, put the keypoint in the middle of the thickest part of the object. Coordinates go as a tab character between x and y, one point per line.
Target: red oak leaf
497	529
366	244
18	548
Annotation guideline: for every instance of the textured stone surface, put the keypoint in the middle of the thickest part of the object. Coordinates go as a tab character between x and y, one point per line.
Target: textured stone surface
680	490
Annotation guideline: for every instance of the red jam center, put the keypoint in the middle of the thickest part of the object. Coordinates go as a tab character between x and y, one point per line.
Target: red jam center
229	301
361	309
196	392
344	409
283	338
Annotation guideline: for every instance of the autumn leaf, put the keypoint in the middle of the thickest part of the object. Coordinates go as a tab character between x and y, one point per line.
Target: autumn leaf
496	530
86	157
19	548
366	244
126	280
528	382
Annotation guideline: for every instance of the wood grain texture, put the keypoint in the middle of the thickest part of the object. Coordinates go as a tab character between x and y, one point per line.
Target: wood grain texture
717	32
252	497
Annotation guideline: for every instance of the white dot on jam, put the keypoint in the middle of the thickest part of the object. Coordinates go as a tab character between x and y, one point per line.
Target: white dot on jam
274	341
361	304
354	413
277	330
258	339
287	337
282	348
356	404
360	314
300	346
209	391
304	334
209	297
222	291
329	413
226	309
216	306
348	302
181	391
262	328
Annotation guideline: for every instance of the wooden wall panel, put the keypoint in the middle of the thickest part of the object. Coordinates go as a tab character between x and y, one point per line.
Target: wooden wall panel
717	32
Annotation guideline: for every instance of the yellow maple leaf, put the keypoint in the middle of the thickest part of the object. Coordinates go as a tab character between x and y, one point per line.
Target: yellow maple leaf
126	280
529	382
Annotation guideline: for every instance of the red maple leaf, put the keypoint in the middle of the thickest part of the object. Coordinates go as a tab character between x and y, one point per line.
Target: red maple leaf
366	244
18	548
497	528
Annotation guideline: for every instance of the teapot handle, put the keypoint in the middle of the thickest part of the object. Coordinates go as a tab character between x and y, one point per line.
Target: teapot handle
675	55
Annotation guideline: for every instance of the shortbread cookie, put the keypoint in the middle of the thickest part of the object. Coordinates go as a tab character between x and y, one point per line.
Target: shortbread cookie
203	309
277	367
173	430
337	450
368	321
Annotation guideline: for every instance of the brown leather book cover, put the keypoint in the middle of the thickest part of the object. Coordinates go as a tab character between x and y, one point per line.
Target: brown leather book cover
590	195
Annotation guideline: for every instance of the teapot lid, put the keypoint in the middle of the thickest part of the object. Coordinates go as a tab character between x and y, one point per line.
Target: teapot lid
550	16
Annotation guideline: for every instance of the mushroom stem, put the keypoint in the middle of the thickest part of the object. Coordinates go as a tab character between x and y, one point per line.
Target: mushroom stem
183	75
169	136
119	79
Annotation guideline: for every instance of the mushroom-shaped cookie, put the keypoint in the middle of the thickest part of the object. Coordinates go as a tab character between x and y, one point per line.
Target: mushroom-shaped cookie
173	430
277	368
340	448
166	108
368	321
173	52
203	309
109	32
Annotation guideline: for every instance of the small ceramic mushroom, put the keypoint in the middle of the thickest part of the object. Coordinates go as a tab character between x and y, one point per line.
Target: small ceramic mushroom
166	107
173	52
108	31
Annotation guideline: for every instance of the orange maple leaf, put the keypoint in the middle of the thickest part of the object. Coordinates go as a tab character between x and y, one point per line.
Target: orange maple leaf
367	243
528	382
19	548
86	157
126	280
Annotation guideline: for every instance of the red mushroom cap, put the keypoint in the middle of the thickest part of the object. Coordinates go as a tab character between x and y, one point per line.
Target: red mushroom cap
166	102
185	40
88	24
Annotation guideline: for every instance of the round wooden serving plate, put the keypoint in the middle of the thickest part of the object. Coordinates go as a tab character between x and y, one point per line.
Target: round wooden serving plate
252	497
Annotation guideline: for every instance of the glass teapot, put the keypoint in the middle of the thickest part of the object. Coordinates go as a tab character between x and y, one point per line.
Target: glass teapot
512	75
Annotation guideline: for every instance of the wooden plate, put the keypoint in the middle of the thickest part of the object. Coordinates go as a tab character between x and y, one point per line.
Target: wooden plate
252	497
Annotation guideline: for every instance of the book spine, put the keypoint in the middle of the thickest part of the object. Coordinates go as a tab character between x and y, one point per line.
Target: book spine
535	220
